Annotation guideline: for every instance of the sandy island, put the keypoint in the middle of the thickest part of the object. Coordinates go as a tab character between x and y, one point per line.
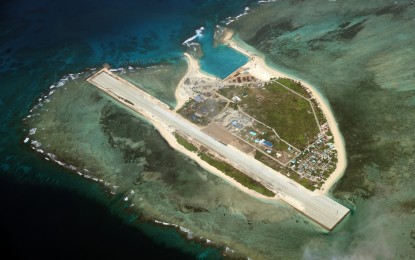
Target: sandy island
258	68
318	207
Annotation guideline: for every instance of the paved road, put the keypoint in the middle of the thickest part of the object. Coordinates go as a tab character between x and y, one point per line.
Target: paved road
322	209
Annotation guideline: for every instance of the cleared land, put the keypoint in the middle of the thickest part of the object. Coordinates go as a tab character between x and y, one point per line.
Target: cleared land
323	210
201	110
219	132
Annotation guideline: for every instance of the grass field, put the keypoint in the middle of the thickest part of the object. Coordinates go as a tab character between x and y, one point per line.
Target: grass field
289	114
294	85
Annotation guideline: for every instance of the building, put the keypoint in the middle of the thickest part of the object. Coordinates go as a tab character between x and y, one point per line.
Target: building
265	143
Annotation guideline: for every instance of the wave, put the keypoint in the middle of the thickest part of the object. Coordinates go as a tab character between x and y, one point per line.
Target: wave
268	1
81	172
74	76
190	235
198	35
120	70
32	131
35	144
231	19
187	231
52	89
229	251
65	79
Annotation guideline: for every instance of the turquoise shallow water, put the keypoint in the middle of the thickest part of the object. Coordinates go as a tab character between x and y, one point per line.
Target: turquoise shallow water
358	54
39	44
219	60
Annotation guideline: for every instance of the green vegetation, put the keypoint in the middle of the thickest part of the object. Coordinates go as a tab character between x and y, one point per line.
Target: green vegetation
320	115
181	140
236	175
294	85
289	114
281	146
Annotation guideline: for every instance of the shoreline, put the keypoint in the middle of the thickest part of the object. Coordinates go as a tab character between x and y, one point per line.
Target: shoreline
264	72
171	140
260	69
193	70
321	209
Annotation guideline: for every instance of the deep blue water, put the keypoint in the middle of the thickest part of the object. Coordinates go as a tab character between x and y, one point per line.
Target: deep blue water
45	210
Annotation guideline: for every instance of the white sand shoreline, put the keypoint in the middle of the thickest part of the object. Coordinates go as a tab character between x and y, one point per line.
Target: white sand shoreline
264	72
193	70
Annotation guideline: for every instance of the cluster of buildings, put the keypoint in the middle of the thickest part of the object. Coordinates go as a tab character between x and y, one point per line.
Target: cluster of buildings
317	161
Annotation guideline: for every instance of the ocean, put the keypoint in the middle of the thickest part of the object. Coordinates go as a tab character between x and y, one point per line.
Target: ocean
359	55
47	211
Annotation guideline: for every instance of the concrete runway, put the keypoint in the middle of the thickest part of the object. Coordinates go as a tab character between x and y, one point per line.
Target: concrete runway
320	208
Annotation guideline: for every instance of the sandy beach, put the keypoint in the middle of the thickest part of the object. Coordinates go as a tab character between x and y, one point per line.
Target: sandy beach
261	70
226	36
183	91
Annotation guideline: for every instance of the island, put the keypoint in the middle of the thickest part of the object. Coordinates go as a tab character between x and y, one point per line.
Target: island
261	131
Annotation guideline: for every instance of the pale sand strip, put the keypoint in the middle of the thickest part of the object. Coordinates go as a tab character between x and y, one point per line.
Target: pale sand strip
261	70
